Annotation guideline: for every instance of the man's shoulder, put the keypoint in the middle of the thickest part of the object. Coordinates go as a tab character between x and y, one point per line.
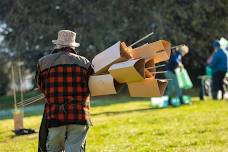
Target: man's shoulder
79	57
46	57
63	58
80	60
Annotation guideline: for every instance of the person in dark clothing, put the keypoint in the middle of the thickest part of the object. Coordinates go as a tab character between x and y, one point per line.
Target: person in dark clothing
43	133
62	77
218	64
172	64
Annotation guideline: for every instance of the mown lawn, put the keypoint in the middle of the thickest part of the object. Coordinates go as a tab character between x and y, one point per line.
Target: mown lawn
133	126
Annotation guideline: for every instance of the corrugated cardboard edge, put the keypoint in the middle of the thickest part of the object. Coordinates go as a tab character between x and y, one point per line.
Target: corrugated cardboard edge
100	61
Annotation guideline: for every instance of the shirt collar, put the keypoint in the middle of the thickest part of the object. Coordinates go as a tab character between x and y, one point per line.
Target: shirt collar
65	49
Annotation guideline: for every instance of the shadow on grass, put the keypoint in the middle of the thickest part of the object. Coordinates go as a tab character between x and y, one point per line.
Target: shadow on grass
6	102
123	112
110	100
37	108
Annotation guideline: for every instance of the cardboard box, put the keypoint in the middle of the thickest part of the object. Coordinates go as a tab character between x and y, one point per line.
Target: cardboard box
118	52
128	71
149	63
150	87
18	120
159	51
148	74
103	85
150	68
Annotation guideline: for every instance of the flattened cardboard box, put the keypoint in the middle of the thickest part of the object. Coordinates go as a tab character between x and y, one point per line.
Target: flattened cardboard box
116	53
159	51
150	87
103	85
128	71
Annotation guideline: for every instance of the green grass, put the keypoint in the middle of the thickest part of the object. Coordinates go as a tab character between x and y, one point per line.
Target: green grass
133	126
7	102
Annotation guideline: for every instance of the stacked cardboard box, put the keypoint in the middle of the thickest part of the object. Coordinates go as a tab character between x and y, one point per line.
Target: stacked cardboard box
119	65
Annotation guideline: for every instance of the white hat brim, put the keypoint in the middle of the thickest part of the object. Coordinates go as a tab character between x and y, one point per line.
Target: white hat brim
73	44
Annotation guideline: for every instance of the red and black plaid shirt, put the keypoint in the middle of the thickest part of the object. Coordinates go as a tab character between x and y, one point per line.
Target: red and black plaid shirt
65	86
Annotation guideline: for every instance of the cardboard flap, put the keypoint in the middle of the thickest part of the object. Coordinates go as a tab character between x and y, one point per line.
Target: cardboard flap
140	67
128	71
102	85
150	87
163	54
125	51
106	52
148	74
151	65
151	68
116	53
101	60
159	51
166	45
142	52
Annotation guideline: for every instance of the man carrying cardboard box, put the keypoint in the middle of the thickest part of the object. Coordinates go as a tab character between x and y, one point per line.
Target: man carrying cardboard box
63	77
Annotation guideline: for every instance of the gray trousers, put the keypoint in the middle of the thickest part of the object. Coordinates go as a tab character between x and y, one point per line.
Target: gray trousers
70	138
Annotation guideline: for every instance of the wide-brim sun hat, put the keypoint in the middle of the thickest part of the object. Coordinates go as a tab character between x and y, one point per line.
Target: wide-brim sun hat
66	38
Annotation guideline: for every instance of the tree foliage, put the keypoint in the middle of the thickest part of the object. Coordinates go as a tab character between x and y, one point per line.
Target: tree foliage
4	77
31	25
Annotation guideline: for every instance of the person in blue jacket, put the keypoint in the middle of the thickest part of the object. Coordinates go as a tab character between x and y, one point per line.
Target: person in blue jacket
172	64
218	64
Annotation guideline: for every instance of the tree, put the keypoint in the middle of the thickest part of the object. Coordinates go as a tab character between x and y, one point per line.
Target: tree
31	25
4	73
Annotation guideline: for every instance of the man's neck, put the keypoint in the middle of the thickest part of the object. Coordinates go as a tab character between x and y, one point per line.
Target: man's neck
65	49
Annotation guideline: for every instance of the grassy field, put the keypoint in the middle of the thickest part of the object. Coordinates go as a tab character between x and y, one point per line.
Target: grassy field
125	125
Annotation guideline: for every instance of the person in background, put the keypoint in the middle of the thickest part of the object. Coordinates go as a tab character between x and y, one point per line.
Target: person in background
63	77
172	64
218	64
